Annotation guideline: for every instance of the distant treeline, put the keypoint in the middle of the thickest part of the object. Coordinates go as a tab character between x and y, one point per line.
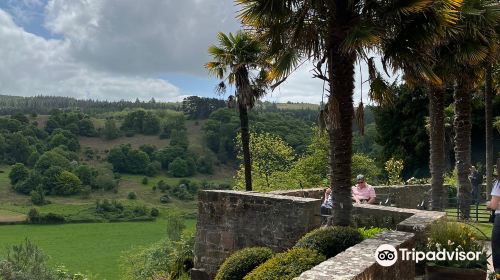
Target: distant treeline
44	104
194	107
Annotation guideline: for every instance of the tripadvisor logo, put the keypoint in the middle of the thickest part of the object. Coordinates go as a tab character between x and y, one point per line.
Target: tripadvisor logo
387	255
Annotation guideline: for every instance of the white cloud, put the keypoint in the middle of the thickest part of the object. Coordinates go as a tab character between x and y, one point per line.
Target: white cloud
141	37
34	65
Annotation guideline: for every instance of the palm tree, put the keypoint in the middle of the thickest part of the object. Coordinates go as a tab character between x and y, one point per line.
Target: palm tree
334	34
450	57
235	59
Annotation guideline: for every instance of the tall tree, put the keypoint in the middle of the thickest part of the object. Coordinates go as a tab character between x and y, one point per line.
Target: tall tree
334	34
234	60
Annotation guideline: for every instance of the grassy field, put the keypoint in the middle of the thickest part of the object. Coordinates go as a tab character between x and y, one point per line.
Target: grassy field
91	248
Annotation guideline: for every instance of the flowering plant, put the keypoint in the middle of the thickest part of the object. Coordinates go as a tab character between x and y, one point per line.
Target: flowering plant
456	237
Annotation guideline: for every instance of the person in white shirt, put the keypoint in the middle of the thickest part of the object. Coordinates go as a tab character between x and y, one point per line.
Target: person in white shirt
494	204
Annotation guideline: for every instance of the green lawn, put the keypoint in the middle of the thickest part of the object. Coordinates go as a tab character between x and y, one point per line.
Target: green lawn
91	248
479	228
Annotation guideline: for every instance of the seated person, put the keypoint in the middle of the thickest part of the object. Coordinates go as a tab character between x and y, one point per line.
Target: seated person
362	192
327	204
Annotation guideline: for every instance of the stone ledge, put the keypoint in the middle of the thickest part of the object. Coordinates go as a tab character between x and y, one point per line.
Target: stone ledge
358	262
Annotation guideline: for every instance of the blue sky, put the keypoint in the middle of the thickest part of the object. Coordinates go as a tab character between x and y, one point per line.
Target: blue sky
122	49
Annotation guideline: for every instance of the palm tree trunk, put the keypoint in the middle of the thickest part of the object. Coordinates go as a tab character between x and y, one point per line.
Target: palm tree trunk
462	124
488	115
437	145
341	75
245	143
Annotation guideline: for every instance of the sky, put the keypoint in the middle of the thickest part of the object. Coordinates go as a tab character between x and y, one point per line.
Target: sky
124	49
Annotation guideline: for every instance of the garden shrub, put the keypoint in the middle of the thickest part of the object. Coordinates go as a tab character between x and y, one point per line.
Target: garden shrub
145	180
287	265
242	262
330	241
370	232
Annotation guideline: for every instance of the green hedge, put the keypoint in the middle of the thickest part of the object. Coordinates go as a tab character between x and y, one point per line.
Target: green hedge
242	262
330	241
287	265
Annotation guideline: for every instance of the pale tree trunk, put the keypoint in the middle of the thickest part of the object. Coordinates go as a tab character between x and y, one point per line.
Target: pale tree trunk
488	116
462	124
437	146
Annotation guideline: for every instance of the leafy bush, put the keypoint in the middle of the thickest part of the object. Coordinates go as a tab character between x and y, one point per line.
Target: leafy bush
155	212
165	198
453	236
287	265
35	217
181	192
329	241
163	186
38	196
370	232
25	262
165	259
242	262
145	181
394	168
132	195
18	173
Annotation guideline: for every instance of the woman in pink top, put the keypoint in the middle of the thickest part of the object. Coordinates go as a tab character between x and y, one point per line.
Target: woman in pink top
362	192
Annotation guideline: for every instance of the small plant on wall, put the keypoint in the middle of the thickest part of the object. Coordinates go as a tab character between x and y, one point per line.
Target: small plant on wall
394	168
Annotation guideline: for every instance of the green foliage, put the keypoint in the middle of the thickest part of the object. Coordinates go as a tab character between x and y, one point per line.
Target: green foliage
370	232
32	182
51	158
165	259
242	262
453	236
205	165
105	181
196	107
155	212
110	130
86	174
312	168
38	196
76	122
181	167
141	121
402	133
18	173
35	217
61	137
175	226
329	241
132	195
67	183
125	159
270	155
25	262
362	164
394	168
287	265
145	181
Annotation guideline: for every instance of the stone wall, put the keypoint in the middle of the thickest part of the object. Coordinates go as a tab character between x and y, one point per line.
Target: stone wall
231	220
408	196
358	262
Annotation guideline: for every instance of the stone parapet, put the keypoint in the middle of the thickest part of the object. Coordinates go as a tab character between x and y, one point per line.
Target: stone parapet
232	220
